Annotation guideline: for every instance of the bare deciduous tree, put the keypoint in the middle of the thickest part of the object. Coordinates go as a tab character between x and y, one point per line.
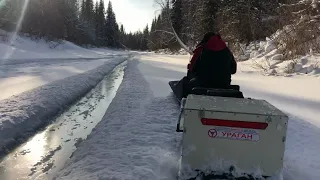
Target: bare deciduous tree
169	29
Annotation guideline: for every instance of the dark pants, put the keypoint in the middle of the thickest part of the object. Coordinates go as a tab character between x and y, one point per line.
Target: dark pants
190	82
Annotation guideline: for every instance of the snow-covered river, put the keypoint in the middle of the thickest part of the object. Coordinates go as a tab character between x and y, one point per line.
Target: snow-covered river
44	154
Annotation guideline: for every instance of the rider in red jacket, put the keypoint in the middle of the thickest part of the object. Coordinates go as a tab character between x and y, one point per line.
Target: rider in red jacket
211	66
212	63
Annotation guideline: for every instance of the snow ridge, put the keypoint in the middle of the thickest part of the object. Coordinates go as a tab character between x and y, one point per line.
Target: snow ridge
22	115
24	48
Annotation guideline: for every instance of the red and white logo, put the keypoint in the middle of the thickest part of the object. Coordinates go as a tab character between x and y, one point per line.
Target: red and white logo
212	133
234	134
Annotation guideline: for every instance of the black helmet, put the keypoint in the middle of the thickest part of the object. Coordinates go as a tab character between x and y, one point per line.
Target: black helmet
207	36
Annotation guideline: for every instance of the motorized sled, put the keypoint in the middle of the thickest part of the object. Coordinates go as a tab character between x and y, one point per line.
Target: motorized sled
227	136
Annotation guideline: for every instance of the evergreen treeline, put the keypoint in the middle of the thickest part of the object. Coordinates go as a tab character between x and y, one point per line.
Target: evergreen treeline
240	21
181	23
237	21
80	21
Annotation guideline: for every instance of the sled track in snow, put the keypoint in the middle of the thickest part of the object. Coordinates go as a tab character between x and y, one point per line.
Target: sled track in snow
23	114
46	152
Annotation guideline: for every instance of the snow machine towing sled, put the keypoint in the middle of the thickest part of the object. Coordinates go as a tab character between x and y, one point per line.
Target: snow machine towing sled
227	136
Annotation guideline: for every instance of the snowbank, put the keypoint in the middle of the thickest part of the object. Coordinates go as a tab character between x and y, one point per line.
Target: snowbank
264	57
26	63
18	78
24	48
21	115
170	52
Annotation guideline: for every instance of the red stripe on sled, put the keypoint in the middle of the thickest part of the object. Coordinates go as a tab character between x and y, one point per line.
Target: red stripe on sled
235	124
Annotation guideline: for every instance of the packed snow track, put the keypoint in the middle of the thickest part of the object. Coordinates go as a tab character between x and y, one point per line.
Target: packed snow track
137	140
45	153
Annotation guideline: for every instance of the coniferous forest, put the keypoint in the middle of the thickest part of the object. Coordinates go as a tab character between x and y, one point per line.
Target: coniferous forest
180	23
80	21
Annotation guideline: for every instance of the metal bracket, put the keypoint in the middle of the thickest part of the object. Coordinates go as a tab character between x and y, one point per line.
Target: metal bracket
181	115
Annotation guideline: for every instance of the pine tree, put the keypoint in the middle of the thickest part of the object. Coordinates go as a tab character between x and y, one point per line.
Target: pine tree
102	20
9	14
145	37
152	38
210	8
70	13
112	28
96	22
122	29
176	15
89	10
122	35
158	39
100	23
87	25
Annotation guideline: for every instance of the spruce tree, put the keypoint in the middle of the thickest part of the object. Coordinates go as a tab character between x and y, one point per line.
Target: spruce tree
176	15
96	23
100	23
152	36
87	23
145	37
71	21
9	14
112	28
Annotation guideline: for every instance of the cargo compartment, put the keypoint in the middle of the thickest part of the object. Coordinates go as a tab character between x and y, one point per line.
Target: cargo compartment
250	133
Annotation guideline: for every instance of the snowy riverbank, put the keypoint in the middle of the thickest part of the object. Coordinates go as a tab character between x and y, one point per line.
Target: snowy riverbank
21	115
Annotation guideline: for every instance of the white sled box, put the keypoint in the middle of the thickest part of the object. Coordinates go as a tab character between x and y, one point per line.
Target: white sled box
249	134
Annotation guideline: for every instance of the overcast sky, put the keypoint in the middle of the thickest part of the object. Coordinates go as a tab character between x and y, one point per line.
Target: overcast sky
134	14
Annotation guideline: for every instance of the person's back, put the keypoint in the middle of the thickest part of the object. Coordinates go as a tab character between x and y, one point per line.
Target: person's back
215	64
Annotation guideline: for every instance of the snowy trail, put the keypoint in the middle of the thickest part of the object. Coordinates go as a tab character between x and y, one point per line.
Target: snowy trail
297	96
137	138
45	153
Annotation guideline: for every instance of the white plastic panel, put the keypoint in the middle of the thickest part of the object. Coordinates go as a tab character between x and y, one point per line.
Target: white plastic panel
239	105
248	149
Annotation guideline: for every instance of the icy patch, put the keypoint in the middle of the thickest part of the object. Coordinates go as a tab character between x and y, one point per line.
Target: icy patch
44	160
